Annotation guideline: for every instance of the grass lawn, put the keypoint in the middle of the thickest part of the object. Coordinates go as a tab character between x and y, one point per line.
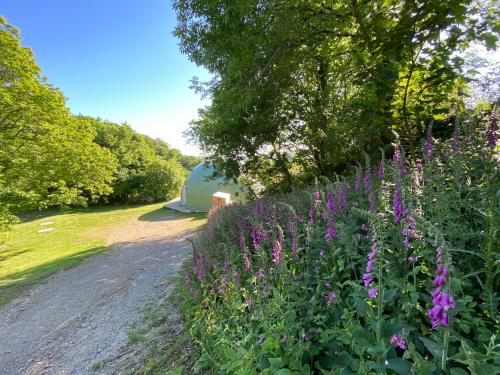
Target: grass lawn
30	256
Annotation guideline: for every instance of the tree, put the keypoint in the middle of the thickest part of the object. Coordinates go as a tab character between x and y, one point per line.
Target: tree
160	180
47	157
304	88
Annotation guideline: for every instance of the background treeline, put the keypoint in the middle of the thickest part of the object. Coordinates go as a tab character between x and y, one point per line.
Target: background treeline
49	157
303	88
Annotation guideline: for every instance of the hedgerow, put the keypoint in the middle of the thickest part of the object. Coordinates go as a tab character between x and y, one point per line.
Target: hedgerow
391	271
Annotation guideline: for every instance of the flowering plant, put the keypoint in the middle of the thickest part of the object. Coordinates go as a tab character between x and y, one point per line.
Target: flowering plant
396	275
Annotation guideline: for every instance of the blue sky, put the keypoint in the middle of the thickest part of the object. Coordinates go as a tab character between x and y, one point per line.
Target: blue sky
116	59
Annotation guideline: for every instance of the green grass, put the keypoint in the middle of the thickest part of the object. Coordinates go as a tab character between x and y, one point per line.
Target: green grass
29	256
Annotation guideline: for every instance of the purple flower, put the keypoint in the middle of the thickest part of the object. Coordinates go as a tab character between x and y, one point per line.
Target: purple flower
260	340
321	253
398	207
442	301
330	230
236	277
369	265
363	227
396	156
411	259
246	259
357	182
367	278
381	170
331	298
258	236
358	237
366	180
243	246
491	133
372	292
316	195
249	303
260	273
406	243
330	202
398	341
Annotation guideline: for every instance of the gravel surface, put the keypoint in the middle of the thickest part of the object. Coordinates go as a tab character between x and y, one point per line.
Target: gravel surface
81	316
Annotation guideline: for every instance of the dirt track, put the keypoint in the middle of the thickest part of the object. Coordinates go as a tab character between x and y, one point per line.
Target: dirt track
81	316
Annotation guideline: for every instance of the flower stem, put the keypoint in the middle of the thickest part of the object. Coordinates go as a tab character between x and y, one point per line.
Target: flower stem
445	348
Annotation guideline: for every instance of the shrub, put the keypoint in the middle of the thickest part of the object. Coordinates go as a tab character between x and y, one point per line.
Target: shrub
393	270
160	180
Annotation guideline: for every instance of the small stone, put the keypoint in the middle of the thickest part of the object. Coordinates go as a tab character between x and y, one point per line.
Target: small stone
46	230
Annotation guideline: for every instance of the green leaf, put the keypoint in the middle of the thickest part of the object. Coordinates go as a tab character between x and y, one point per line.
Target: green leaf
433	347
203	363
401	366
283	371
486	369
458	371
362	307
276	363
230	354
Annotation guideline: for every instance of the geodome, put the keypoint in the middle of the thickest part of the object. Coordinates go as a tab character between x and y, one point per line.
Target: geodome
198	189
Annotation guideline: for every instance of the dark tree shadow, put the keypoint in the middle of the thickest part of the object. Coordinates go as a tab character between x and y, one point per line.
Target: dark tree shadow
16	283
163	214
32	215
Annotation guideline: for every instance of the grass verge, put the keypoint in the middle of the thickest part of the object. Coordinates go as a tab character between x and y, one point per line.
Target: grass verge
162	344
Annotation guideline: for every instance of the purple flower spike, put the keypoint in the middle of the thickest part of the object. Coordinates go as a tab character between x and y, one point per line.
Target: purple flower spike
381	170
442	301
357	182
330	231
398	207
491	133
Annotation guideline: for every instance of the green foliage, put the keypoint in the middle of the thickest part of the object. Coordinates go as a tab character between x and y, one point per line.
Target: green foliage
148	169
161	180
282	285
303	88
49	157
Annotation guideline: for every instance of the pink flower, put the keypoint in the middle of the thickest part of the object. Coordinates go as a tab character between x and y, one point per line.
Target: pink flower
398	341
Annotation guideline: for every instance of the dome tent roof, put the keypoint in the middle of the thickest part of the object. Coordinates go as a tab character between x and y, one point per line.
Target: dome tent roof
200	188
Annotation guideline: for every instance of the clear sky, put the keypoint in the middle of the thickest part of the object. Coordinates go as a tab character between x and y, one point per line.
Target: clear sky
116	59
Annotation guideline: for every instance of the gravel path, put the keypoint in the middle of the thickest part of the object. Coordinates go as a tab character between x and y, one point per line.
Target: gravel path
82	315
